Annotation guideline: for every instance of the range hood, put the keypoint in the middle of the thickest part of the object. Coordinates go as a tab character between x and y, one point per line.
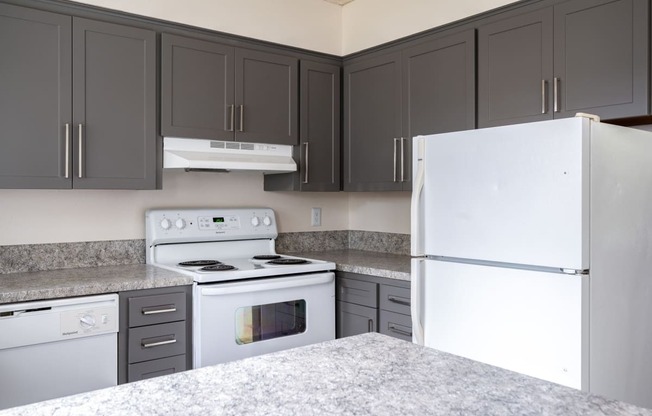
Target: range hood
224	156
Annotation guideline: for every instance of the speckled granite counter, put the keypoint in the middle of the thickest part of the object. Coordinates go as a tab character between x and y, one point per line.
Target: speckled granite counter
393	266
368	374
18	287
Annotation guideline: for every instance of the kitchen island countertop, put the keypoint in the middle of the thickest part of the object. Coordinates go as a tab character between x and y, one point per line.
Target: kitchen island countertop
62	283
392	266
368	374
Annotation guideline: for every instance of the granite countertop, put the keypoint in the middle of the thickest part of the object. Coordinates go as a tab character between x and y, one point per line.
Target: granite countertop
392	266
19	287
369	374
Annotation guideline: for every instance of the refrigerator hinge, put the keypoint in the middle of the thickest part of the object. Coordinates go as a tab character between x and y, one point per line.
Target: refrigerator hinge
575	272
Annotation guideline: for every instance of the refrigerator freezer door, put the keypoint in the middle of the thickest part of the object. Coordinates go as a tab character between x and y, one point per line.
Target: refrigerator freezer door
514	194
526	321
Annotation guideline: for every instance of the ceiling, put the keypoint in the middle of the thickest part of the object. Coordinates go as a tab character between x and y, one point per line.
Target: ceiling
340	2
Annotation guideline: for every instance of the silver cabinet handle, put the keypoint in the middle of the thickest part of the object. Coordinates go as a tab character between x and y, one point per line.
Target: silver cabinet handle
399	331
232	128
241	118
398	300
158	343
402	159
544	101
395	150
305	178
555	95
81	150
67	158
157	309
370	325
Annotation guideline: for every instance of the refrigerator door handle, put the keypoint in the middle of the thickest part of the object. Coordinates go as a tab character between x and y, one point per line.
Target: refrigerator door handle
416	276
417	189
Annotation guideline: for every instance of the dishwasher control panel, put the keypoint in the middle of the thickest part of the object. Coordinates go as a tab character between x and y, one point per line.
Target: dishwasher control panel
87	321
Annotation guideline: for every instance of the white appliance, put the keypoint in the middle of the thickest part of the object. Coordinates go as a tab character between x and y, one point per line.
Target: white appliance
56	348
533	251
247	300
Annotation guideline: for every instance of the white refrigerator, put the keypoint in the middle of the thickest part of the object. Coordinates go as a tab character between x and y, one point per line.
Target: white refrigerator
532	251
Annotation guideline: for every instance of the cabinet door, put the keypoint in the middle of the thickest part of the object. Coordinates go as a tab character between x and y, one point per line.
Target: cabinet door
355	319
197	90
114	113
515	69
372	124
601	58
266	97
35	98
438	90
320	127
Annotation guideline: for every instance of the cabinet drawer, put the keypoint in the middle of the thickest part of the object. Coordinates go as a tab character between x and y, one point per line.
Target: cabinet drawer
395	299
395	325
155	368
358	292
157	309
157	341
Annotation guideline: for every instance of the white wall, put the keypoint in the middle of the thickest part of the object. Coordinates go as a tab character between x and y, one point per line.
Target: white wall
309	24
367	23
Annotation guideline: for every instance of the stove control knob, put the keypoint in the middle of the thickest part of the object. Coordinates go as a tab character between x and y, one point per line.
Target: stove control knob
166	224
180	223
267	221
87	321
255	221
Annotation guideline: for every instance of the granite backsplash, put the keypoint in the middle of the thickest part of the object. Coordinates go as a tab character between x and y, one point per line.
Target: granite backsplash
39	257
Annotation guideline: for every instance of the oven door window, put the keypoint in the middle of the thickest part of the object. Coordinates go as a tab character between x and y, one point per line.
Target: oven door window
273	320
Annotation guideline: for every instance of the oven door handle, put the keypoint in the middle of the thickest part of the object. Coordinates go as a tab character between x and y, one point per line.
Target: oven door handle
246	286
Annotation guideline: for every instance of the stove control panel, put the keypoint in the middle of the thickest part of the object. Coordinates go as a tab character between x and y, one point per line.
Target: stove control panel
189	225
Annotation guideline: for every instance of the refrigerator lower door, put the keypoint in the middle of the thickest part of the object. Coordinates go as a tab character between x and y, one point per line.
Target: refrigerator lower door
531	322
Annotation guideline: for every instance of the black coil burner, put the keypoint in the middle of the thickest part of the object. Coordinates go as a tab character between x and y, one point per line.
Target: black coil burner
199	263
288	262
217	268
267	257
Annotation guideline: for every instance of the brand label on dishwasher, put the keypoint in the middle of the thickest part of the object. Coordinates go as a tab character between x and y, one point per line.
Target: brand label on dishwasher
84	321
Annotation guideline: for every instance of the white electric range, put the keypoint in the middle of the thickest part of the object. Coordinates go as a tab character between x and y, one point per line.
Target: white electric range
247	299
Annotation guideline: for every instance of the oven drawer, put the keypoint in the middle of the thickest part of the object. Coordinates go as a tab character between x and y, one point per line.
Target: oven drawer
395	299
155	368
395	325
157	309
358	292
157	341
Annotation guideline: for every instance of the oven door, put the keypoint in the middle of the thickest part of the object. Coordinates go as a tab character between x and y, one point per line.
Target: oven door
252	317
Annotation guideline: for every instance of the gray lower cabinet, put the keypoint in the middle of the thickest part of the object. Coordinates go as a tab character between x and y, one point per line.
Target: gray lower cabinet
319	133
215	91
155	333
578	56
372	304
428	87
78	102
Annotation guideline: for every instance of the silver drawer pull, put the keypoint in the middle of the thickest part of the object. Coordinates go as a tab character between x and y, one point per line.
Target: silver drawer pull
400	331
398	300
158	309
158	343
370	325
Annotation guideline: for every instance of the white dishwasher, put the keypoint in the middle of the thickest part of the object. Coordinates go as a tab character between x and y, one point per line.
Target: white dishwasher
55	348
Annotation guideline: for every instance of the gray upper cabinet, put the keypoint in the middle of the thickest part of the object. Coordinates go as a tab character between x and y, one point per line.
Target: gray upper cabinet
319	133
266	97
114	106
215	91
372	124
515	69
197	89
579	56
78	102
601	58
36	98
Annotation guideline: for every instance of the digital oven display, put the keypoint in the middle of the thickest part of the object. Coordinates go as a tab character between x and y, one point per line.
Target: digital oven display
218	219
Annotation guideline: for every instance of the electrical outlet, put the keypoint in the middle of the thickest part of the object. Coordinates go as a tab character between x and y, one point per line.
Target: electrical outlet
315	217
